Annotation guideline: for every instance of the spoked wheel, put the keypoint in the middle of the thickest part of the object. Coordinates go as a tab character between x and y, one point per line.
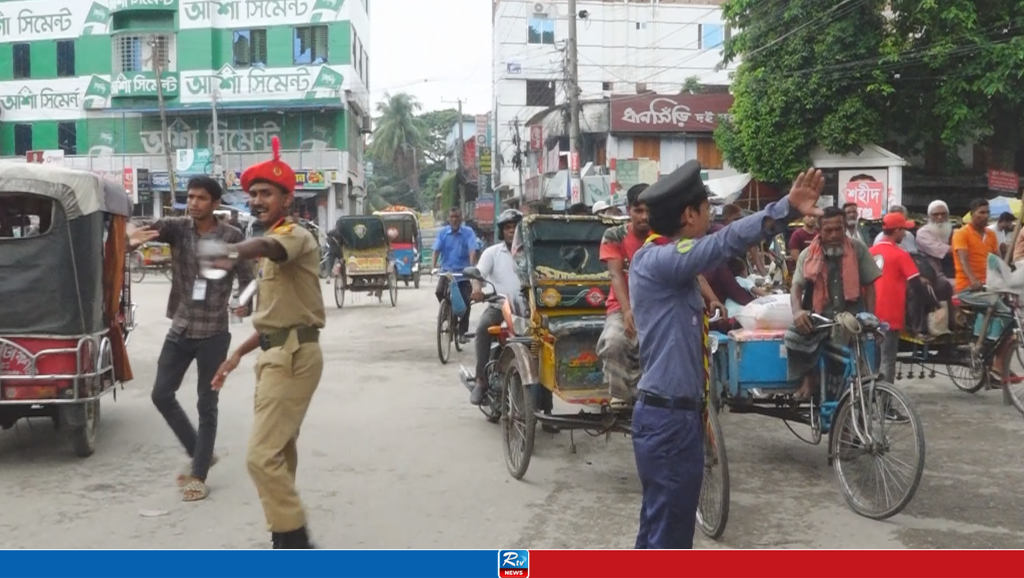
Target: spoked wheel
339	290
1015	391
968	374
491	407
713	507
393	288
84	420
878	469
456	333
444	332
518	424
137	267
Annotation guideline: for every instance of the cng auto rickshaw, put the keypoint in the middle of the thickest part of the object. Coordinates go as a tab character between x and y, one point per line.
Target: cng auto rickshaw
367	262
403	231
65	298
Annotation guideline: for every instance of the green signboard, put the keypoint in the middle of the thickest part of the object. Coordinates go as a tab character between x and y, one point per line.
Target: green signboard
143	84
124	5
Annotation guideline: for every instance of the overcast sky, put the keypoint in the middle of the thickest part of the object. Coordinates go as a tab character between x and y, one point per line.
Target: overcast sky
437	50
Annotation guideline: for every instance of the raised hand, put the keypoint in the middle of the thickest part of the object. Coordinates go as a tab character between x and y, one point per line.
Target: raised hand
806	191
138	236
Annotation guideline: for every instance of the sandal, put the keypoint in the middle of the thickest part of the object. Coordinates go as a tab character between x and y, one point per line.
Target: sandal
186	473
194	490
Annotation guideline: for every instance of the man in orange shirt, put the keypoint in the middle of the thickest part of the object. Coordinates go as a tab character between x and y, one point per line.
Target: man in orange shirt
972	244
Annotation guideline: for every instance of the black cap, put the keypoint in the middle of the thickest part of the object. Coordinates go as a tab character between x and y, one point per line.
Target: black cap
680	184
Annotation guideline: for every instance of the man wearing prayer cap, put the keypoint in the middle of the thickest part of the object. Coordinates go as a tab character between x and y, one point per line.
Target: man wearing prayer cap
288	319
672	327
933	242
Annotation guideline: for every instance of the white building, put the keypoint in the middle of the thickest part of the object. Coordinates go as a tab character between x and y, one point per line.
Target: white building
625	47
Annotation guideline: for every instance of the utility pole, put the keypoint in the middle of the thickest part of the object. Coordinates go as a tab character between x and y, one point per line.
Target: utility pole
460	151
218	171
574	103
157	55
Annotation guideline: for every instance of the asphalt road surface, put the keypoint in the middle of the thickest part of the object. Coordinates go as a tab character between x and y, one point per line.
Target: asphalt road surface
393	456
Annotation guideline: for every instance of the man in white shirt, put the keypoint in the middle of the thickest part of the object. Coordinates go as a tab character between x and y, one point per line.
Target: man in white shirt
496	266
1003	228
908	243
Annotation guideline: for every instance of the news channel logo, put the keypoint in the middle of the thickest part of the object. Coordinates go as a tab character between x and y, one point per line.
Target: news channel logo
513	563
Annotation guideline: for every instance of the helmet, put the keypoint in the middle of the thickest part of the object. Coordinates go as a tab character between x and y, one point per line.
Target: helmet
509	216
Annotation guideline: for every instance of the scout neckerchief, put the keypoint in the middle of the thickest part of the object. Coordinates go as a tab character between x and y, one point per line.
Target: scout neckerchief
683	246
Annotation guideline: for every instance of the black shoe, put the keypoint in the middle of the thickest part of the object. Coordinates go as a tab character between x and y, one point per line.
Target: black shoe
478	394
296	540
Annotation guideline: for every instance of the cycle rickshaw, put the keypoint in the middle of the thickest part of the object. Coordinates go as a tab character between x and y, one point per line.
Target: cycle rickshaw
66	313
367	262
403	232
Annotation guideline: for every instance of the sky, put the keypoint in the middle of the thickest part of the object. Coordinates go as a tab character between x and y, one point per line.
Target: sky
437	50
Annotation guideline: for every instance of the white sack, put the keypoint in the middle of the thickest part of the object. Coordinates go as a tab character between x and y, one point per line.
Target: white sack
769	312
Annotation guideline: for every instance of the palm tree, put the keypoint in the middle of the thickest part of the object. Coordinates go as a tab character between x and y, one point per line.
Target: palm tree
400	137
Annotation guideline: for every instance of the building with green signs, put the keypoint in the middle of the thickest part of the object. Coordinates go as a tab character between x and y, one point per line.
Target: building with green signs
78	80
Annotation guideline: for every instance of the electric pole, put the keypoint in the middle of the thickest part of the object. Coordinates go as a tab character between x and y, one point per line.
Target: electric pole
158	53
218	171
574	105
460	151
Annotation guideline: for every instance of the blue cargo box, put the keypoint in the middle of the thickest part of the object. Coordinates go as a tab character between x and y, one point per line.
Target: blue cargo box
757	358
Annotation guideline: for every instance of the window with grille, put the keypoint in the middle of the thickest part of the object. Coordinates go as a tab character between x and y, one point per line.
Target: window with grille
22	54
65	58
250	47
540	93
143	52
67	137
310	45
22	139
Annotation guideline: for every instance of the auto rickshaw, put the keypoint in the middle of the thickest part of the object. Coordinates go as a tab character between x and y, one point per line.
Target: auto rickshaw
367	262
65	298
403	231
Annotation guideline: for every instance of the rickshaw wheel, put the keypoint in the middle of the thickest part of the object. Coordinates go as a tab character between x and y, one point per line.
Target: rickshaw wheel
83	437
969	377
889	409
713	507
137	267
339	291
518	423
393	288
444	331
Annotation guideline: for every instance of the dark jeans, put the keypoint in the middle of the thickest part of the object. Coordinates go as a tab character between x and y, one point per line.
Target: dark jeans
669	448
175	358
491	316
466	289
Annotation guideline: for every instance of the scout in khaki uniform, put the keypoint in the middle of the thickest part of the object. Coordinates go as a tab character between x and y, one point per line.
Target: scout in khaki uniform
288	319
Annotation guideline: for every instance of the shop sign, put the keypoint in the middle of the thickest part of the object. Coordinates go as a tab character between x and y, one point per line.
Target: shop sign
668	113
52	99
1003	181
146	5
291	83
28	20
143	84
226	13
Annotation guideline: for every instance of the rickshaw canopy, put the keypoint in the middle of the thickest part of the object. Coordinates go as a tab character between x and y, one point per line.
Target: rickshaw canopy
400	226
362	232
80	193
548	247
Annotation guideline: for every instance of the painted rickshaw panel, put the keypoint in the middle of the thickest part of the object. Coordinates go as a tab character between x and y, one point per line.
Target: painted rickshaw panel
403	232
365	246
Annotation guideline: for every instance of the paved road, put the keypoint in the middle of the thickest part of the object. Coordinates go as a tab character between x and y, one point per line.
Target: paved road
392	456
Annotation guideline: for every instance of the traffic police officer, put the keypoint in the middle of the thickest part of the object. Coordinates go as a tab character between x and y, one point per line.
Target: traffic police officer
672	327
288	319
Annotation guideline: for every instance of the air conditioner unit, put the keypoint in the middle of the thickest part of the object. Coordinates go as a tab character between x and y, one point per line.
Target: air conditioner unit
367	124
541	8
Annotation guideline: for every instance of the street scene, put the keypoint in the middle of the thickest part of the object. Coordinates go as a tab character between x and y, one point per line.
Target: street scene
392	455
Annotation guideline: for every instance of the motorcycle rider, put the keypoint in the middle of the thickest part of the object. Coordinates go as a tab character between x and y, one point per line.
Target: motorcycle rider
496	266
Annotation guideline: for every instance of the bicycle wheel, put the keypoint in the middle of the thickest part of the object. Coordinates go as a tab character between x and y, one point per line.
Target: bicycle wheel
518	423
456	333
967	371
867	463
137	267
444	332
1015	391
713	507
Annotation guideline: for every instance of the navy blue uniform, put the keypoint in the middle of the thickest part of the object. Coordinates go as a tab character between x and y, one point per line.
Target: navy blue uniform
668	432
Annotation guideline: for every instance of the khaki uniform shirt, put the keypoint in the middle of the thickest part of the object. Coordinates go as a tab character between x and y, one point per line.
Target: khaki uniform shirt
289	292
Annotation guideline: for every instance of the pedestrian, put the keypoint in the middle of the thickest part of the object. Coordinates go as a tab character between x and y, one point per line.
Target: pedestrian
288	318
198	309
672	327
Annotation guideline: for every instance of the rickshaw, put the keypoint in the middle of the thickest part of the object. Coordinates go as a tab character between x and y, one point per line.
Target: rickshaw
65	299
548	347
403	231
150	256
367	262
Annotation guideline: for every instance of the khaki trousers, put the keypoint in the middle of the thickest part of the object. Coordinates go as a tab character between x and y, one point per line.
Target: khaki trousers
285	383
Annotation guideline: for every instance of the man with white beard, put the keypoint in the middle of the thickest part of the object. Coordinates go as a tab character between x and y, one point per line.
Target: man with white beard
933	242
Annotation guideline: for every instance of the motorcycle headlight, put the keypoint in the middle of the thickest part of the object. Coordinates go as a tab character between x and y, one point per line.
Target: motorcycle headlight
520	325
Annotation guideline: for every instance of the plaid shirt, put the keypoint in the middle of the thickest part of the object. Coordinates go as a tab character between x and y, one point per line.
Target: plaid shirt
198	319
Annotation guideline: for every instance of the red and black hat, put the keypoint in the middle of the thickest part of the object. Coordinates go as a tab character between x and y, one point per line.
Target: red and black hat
274	171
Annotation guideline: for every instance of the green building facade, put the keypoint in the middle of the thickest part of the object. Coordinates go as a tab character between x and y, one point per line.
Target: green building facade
79	76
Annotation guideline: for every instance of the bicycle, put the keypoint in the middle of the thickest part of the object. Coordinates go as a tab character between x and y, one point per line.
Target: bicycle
452	305
137	266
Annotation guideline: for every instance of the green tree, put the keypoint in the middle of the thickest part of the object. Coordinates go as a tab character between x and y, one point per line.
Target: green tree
794	89
399	138
957	76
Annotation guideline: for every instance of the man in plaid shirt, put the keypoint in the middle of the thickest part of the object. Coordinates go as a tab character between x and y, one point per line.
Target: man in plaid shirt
198	309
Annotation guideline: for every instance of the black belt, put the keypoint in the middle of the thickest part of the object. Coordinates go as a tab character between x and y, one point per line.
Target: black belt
277	338
681	403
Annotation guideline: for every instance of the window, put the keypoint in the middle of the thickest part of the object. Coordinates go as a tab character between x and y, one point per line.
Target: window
249	47
708	154
22	139
67	138
143	53
541	31
647	147
24	215
641	26
310	45
22	60
606	86
540	93
710	36
65	58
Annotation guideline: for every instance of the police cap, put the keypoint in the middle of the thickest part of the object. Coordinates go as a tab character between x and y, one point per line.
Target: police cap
680	186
